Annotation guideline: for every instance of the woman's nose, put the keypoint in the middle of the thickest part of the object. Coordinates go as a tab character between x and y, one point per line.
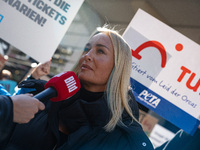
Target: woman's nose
88	56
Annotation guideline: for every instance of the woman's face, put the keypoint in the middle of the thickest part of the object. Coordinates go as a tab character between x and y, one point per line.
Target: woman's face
96	63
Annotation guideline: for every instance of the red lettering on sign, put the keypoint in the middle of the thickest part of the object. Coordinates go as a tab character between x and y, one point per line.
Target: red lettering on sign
190	79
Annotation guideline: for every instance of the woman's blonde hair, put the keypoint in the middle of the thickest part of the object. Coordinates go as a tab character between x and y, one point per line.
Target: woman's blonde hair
119	80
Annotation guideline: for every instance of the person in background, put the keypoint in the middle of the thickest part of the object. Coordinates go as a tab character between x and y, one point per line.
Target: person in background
38	72
6	83
33	84
16	109
103	115
5	75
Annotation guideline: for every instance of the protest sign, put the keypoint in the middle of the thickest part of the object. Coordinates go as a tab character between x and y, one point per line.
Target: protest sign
36	27
165	70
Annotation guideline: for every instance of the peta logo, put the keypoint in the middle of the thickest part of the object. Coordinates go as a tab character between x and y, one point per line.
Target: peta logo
1	17
149	98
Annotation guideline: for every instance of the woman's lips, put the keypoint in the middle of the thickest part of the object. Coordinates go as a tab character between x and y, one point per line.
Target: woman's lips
84	66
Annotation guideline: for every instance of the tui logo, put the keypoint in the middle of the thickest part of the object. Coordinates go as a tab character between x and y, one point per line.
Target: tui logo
155	44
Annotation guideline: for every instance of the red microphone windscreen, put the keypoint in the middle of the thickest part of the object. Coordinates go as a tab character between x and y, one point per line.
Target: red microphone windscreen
66	84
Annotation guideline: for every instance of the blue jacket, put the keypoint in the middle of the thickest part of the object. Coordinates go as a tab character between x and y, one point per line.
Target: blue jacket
3	91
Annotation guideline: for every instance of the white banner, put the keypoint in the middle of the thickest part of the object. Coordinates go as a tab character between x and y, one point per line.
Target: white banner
165	70
36	27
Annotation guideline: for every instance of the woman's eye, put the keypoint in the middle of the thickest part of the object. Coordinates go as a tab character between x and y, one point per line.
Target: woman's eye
100	51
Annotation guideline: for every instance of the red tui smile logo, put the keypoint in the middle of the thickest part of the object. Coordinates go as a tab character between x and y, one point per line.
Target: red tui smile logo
155	44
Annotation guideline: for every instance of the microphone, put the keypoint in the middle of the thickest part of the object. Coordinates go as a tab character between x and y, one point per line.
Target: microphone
60	87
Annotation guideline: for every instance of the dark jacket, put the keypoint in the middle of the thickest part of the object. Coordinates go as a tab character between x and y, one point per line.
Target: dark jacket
6	118
85	121
183	141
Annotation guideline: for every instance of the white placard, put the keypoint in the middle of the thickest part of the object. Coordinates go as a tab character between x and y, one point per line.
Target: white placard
36	27
165	70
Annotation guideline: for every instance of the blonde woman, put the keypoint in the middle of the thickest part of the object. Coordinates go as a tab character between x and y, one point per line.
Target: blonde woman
102	115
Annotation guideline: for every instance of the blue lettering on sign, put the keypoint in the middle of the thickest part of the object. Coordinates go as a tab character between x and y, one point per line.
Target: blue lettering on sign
149	98
1	17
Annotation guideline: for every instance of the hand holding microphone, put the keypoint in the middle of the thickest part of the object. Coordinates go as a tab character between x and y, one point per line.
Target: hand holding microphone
60	87
25	107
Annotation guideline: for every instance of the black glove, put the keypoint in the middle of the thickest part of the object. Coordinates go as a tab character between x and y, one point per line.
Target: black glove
33	83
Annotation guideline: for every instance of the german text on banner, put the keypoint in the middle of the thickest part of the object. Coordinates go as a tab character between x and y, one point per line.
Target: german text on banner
165	70
36	27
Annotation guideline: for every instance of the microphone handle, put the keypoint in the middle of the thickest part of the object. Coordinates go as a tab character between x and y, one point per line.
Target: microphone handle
48	93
